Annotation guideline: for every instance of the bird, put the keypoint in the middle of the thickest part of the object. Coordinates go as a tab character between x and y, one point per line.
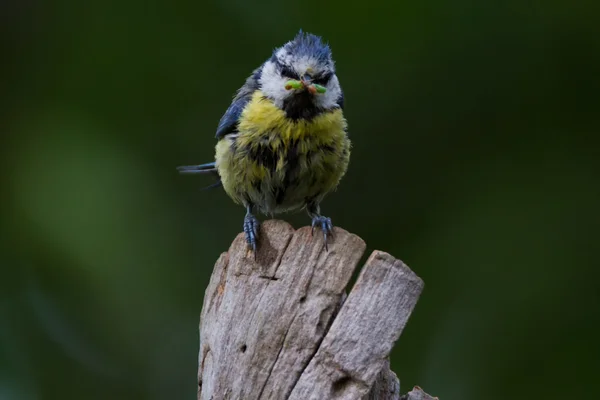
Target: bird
283	144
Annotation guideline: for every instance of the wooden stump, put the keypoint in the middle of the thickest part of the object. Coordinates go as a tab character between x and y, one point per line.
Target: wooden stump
281	327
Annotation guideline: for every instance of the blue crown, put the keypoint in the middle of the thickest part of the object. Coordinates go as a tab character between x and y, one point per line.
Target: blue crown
307	44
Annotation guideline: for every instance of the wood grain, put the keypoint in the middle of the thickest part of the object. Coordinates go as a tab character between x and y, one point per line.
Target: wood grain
278	327
363	334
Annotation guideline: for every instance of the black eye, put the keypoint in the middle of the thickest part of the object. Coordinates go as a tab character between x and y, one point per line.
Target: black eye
288	72
323	79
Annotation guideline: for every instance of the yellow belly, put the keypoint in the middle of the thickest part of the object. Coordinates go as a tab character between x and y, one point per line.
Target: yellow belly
278	164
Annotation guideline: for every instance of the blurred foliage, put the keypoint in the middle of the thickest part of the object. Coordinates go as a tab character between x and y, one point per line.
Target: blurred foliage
476	161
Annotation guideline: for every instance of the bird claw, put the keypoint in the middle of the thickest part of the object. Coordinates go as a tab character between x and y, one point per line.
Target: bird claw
251	226
326	226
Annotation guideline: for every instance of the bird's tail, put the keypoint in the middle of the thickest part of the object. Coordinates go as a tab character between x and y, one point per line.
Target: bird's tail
208	168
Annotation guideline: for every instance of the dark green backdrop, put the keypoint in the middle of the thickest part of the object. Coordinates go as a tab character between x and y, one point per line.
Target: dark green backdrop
475	160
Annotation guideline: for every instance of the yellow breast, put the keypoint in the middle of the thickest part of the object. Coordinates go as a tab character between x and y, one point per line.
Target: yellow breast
277	163
262	116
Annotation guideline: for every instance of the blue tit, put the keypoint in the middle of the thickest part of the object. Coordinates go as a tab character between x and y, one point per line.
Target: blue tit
283	143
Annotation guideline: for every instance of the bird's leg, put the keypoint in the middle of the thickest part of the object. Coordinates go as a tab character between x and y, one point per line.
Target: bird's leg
251	226
314	212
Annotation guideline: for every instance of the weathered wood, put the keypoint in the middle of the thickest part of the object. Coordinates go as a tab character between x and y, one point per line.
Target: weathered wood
263	320
386	386
417	394
363	333
269	328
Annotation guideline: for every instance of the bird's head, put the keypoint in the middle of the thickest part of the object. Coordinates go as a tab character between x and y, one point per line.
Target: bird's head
301	74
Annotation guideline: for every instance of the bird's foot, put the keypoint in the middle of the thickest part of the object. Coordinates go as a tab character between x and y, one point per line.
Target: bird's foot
326	226
251	226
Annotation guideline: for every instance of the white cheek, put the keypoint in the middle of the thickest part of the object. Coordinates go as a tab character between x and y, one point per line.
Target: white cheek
283	56
273	84
330	97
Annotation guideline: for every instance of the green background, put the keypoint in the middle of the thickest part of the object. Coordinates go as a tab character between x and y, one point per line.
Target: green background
475	160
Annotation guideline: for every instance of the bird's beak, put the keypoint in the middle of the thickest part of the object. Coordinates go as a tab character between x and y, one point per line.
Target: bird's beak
306	81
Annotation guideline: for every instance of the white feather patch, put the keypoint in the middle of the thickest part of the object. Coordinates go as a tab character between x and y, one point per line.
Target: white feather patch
329	99
273	84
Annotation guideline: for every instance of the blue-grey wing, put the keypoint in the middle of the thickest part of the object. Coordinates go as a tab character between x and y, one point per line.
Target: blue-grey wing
229	121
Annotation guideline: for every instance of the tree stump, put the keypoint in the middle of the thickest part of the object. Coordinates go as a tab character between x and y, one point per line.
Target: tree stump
281	326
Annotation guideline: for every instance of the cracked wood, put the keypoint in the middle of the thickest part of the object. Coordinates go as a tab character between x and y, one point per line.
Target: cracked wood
273	328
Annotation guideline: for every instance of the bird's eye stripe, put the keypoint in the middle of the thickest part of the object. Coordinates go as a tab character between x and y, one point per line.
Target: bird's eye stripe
288	72
323	79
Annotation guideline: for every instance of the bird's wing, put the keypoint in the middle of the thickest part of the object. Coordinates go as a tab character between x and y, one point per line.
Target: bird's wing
229	121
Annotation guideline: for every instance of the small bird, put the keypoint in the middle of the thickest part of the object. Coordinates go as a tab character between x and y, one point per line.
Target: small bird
283	142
